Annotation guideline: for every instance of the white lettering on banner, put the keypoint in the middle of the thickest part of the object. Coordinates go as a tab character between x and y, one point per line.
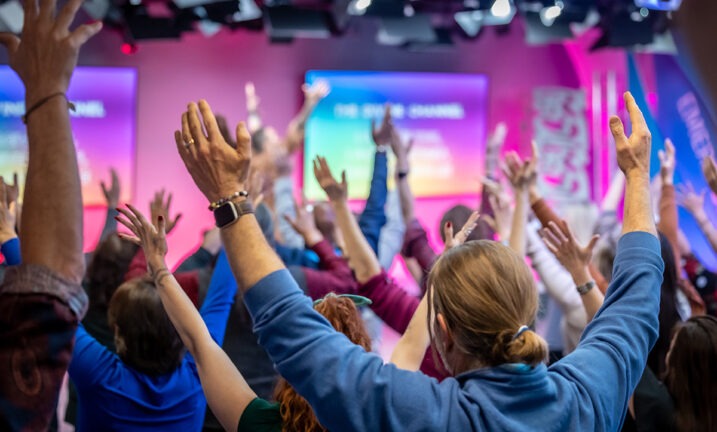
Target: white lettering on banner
83	109
560	130
700	140
445	111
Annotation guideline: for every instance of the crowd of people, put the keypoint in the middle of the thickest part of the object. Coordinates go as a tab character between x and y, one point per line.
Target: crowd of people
526	320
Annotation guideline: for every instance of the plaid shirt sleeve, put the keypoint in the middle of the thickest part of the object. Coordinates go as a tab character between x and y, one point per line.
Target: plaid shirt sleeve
39	313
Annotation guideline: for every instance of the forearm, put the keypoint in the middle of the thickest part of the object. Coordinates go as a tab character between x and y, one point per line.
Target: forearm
669	219
250	256
297	126
110	225
707	228
593	299
363	259
181	311
52	219
638	207
520	220
373	217
411	347
406	195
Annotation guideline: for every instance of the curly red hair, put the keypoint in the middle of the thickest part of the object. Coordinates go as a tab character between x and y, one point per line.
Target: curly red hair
296	413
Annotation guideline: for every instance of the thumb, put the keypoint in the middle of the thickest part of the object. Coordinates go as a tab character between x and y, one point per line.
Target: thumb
10	42
618	130
343	178
448	232
593	242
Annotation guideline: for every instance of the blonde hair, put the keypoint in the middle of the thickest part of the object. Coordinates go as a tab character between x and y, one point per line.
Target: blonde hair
486	293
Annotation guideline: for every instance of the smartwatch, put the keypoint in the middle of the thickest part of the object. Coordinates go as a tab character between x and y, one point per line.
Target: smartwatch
230	212
584	289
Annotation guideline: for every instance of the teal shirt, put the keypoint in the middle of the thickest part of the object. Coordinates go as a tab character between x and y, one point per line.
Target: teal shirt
260	416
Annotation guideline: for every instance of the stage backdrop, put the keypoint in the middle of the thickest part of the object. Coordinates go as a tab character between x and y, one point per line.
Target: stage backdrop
444	114
103	127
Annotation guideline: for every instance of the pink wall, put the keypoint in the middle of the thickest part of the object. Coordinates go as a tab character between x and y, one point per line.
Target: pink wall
172	73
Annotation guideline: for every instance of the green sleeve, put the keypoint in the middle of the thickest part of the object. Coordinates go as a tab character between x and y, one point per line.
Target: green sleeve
260	416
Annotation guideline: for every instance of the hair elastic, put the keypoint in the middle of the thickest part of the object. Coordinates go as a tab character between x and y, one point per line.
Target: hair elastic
520	331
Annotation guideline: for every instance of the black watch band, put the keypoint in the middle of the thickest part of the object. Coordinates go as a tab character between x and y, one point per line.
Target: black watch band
230	212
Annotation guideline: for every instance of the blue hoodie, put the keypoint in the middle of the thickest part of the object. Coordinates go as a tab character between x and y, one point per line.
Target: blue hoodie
352	390
113	396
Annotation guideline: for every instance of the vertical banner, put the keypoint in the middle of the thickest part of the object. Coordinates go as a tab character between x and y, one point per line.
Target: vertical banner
682	117
560	129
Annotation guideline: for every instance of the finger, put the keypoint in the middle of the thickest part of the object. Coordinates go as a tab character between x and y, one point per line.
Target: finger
536	152
127	223
448	232
14	180
31	11
130	238
550	245
169	201
162	225
550	234
104	188
618	131
181	147
636	118
195	127
243	138
176	219
343	178
9	40
189	143
47	9
560	232
130	217
593	242
66	15
83	33
140	217
291	222
3	193
662	157
115	177
669	147
490	221
210	122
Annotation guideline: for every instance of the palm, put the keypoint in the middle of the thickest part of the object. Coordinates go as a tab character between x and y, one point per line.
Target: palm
334	190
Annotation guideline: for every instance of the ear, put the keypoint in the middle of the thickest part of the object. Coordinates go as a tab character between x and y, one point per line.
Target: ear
446	336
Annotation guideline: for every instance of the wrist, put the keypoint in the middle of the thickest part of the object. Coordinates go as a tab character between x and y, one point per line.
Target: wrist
6	236
155	264
637	176
534	194
667	179
312	238
580	275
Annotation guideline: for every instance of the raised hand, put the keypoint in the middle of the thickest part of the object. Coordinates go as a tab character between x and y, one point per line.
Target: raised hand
460	237
12	191
305	224
633	153
252	100
315	92
688	198
502	210
522	174
112	194
334	190
46	56
562	243
152	239
382	135
7	215
709	169
217	169
159	209
667	163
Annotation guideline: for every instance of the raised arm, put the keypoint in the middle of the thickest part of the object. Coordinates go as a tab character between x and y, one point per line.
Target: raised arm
312	96
626	327
695	204
410	350
42	300
709	170
226	391
362	258
521	174
576	260
9	243
373	217
402	150
112	197
669	219
254	122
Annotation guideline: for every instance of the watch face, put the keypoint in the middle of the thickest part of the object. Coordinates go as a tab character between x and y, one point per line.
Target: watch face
225	214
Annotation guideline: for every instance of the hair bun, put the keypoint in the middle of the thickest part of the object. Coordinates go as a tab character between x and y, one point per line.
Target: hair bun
527	348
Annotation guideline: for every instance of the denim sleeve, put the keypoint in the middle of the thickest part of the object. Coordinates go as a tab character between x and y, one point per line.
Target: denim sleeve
373	217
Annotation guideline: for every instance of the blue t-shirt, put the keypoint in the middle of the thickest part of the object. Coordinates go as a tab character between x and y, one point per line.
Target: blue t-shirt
113	396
